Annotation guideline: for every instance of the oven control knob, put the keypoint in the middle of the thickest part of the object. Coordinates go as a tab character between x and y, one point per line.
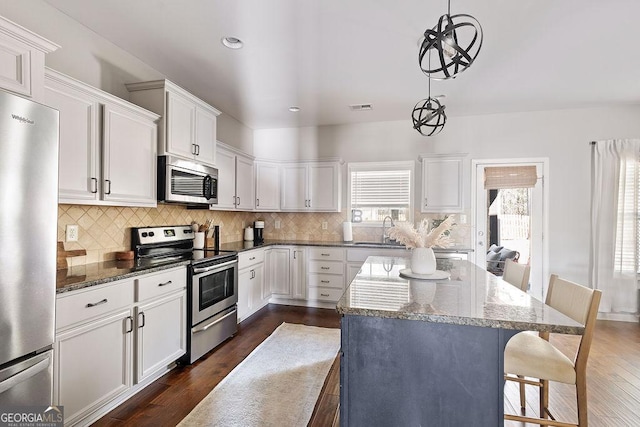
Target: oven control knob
151	234
144	234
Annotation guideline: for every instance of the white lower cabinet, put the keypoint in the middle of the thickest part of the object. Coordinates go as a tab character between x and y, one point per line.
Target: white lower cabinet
114	339
160	333
325	274
279	274
93	365
286	272
251	283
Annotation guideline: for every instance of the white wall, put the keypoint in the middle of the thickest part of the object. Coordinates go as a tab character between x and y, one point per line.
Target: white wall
561	136
88	57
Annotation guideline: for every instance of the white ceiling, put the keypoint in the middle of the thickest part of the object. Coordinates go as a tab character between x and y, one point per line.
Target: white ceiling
324	55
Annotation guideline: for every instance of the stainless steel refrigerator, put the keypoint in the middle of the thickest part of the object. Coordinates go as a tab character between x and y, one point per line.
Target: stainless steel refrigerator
28	232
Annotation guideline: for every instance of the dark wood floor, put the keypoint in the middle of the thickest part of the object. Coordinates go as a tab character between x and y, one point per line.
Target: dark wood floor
169	399
613	377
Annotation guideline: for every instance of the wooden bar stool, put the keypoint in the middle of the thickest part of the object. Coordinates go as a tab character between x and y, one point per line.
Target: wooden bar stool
533	356
516	274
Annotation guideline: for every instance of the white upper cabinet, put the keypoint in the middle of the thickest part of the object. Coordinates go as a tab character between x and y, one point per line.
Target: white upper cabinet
107	146
235	180
267	186
311	186
443	183
22	55
188	127
129	153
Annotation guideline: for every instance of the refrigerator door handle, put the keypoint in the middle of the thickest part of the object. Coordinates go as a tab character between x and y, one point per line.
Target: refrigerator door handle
24	375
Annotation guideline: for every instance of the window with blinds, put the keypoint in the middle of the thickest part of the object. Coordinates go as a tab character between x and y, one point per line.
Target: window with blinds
628	221
378	190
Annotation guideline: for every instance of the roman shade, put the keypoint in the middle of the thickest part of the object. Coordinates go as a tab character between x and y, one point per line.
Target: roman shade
500	177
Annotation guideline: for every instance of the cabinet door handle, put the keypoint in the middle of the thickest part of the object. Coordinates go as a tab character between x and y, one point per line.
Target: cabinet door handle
324	281
294	254
197	149
108	182
257	202
165	283
425	201
193	149
93	304
144	320
253	274
94	185
325	254
325	268
130	326
324	295
309	202
252	258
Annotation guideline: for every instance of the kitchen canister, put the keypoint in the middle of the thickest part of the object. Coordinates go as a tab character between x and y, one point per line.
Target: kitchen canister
347	231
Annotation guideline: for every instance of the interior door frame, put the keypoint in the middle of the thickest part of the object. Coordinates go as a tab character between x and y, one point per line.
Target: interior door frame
538	287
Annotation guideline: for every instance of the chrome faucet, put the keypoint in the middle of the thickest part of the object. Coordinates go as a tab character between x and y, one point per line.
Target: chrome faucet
385	238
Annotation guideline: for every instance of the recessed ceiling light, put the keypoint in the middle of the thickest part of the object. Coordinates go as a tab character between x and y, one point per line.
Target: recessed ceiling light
232	42
294	109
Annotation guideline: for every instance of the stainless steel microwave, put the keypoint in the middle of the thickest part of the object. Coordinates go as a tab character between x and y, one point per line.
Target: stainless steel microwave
184	181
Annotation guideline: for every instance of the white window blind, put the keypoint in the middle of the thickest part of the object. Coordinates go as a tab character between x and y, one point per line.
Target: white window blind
390	188
627	227
377	190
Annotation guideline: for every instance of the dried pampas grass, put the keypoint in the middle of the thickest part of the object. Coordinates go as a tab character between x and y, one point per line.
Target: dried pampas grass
424	236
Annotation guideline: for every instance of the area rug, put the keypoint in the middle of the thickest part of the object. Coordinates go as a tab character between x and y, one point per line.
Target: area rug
278	384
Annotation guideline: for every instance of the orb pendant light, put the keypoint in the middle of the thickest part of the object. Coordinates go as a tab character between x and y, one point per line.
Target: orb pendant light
455	41
428	116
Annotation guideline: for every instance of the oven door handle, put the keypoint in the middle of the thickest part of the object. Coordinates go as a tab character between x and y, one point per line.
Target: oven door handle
205	327
213	267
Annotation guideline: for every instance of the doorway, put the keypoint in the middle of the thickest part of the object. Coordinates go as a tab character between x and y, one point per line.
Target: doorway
510	210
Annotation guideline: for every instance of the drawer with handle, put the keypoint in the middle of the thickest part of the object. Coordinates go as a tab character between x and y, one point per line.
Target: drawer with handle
85	304
326	254
326	267
324	294
164	282
326	280
247	258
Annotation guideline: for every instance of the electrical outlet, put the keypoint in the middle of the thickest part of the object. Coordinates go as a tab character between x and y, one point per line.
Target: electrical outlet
72	233
325	225
277	223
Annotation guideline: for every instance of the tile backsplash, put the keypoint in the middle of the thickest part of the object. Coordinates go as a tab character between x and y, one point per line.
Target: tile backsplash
103	230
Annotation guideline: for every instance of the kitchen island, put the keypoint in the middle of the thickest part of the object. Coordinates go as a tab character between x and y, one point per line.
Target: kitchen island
430	352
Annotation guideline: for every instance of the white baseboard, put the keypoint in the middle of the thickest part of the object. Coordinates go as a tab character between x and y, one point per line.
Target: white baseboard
620	317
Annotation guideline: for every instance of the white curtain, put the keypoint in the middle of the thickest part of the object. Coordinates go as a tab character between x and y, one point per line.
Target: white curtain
614	224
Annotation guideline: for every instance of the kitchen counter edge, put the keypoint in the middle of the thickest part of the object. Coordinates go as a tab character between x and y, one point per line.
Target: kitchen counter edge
109	271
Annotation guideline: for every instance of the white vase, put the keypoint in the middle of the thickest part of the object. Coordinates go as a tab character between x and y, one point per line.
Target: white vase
423	261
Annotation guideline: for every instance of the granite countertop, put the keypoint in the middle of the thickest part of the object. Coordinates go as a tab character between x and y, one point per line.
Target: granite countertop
84	276
471	296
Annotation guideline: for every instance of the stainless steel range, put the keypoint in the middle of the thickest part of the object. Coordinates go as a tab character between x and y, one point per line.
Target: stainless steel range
212	290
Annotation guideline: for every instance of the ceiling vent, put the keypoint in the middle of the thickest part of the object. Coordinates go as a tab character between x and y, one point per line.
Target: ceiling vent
361	107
